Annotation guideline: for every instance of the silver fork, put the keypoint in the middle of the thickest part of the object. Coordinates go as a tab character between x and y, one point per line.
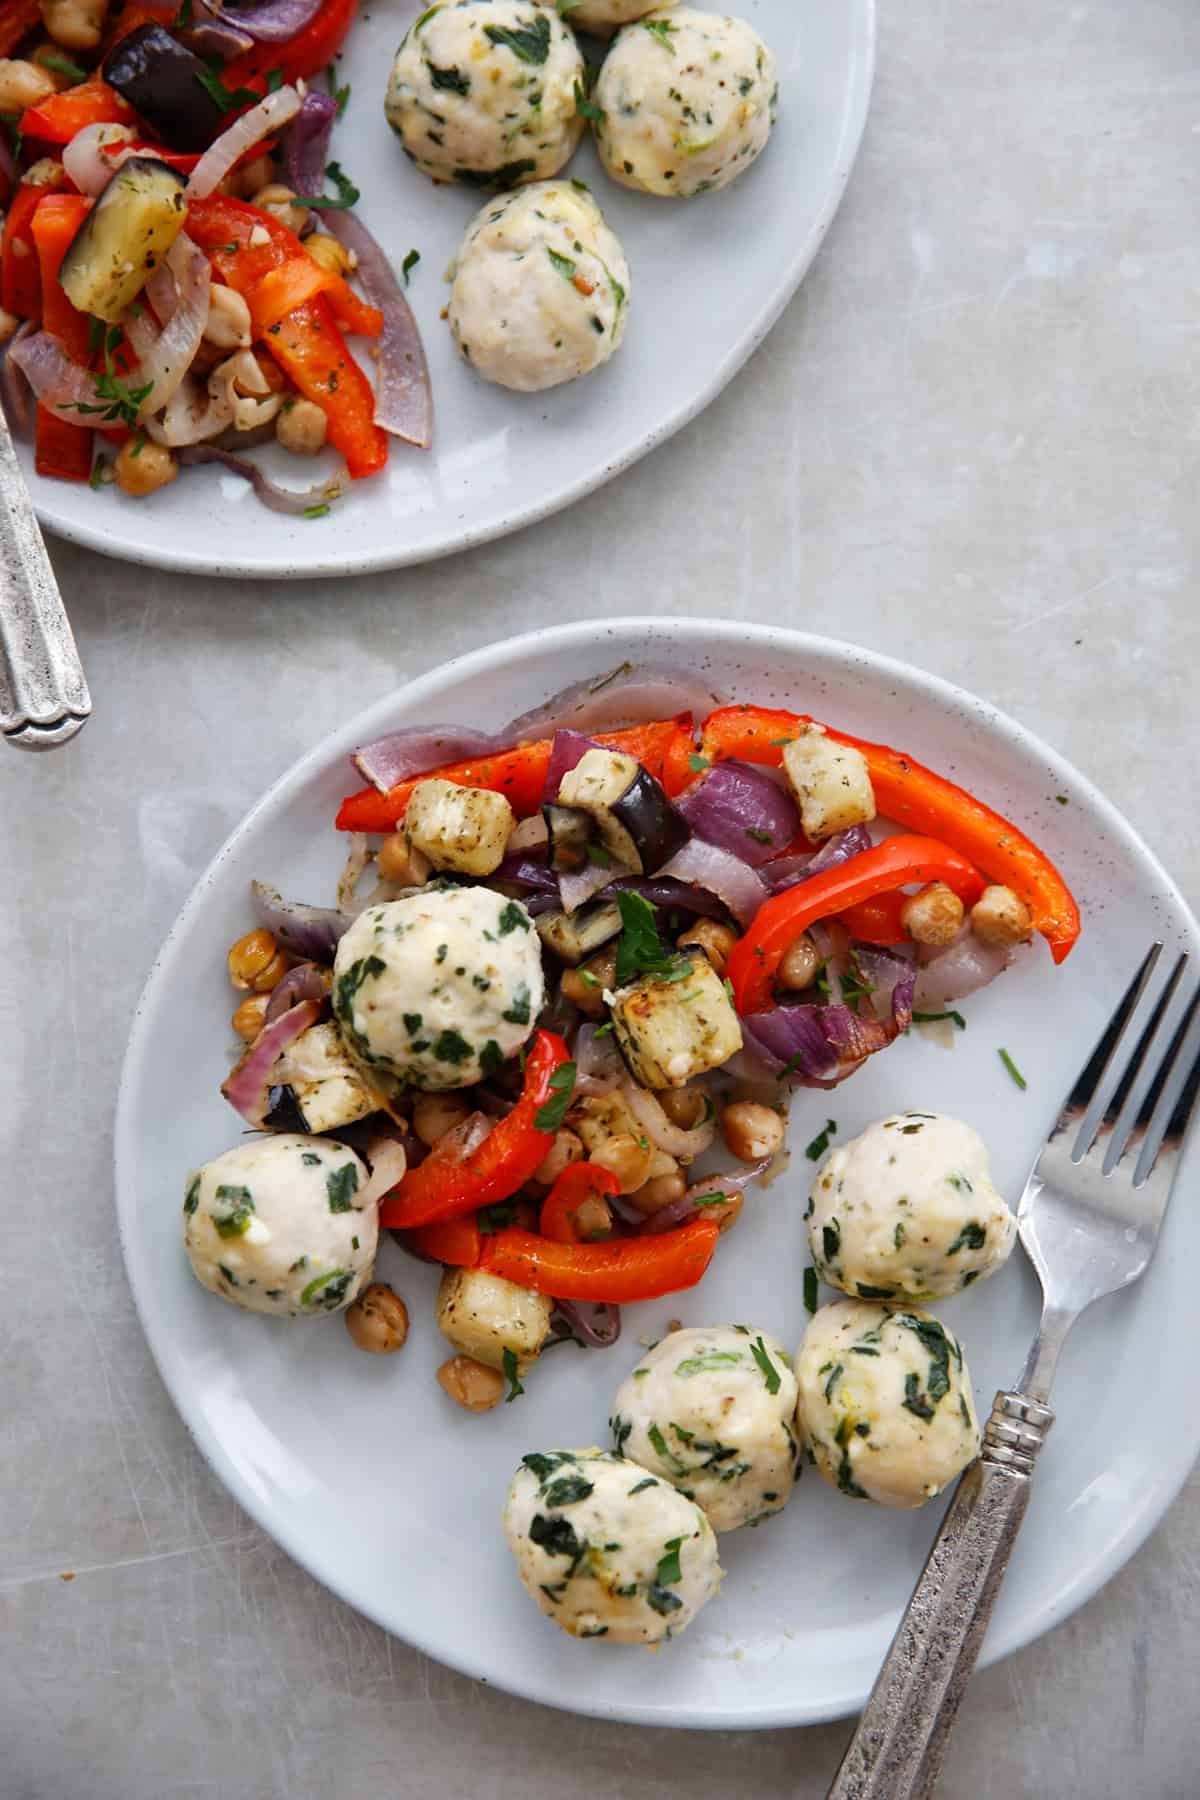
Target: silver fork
1089	1220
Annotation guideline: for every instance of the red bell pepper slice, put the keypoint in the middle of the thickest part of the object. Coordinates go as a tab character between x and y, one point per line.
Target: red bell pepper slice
878	921
314	355
519	774
578	1182
57	118
61	450
18	17
20	279
619	1272
54	225
225	228
921	801
302	56
444	1187
755	958
456	1242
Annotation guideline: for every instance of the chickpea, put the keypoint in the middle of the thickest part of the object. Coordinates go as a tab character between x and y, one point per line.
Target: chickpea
626	1157
726	1214
594	1219
397	861
751	1131
686	1107
252	177
1001	918
250	956
9	325
280	201
250	1017
75	24
934	916
141	468
378	1320
228	323
301	427
713	940
45	56
471	1384
436	1114
329	252
584	987
800	964
660	1191
23	84
48	173
565	1150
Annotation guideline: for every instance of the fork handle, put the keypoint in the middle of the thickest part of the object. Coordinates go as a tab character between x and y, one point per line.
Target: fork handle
896	1752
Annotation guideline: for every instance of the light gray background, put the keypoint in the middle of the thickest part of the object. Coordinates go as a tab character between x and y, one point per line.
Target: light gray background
972	443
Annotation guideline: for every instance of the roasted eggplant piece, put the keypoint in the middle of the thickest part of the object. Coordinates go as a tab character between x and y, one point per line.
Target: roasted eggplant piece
570	832
574	936
637	823
165	85
124	238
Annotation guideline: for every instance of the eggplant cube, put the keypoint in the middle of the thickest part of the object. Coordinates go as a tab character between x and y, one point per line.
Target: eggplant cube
326	1088
484	1315
638	825
831	782
574	936
673	1027
124	237
462	828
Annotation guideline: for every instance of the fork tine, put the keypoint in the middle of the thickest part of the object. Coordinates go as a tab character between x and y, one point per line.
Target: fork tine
1096	1067
1152	1121
1113	1131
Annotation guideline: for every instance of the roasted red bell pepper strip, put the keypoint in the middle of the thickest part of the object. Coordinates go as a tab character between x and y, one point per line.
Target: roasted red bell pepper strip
20	280
61	450
18	17
777	924
456	1242
282	290
303	55
877	921
231	231
619	1272
560	1209
446	1187
57	118
54	225
922	801
520	774
312	352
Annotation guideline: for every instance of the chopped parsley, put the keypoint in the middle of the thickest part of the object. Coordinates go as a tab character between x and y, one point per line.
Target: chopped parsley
341	1185
513	918
451	1046
518	1010
529	43
668	1570
770	1373
662	29
641	1487
810	1289
973	1236
831	1240
452	80
116	402
512	1376
662	1600
347	194
499	1217
327	1290
556	1537
820	1143
759	835
1013	1070
587	109
62	65
697	763
622	1430
550	1115
664	1450
566	267
192	1199
491	1057
568	1490
639	949
409	264
228	99
710	1359
235	1221
923	1018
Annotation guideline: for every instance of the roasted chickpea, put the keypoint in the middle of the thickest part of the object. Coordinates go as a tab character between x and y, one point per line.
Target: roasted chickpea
660	1191
301	427
751	1131
628	1158
585	986
436	1114
9	325
141	468
397	861
565	1150
250	956
378	1320
471	1384
329	252
1000	918
23	84
934	916
250	1017
594	1219
713	940
281	202
252	177
800	964
75	24
228	325
686	1107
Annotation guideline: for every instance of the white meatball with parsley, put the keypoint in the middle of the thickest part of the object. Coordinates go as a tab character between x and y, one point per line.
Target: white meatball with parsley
885	1402
485	92
711	1410
277	1225
607	1550
907	1210
541	288
603	17
439	989
684	102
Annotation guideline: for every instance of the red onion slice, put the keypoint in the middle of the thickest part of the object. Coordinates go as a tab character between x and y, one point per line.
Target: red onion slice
567	748
959	970
305	982
306	147
248	1086
165	356
58	383
599	1068
312	932
15	397
388	1161
418	750
742	810
575	890
674	896
710	1189
629	694
296	501
95	153
404	396
726	876
268	116
275	21
647	1109
210	36
595	1326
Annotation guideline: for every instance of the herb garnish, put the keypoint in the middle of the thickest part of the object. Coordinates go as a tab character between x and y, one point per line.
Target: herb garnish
668	1570
235	1222
451	80
513	918
923	1018
512	1376
531	43
639	951
409	264
341	1185
810	1289
568	1490
973	1236
117	402
661	29
227	99
1013	1070
770	1373
697	763
565	266
820	1143
347	194
587	109
550	1115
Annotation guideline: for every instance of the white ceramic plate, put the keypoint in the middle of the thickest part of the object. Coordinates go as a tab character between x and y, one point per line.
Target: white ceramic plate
370	1478
710	279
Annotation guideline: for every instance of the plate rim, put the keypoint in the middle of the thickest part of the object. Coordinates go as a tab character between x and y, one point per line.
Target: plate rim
698	633
860	92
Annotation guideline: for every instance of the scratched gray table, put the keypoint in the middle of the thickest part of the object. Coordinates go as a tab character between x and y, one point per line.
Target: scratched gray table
971	442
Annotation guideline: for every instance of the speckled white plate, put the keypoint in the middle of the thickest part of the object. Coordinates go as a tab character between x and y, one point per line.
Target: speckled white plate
370	1478
710	277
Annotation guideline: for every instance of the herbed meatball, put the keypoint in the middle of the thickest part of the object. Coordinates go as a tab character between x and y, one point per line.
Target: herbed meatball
908	1209
437	990
711	1410
276	1225
885	1402
607	1550
541	288
603	17
686	101
485	92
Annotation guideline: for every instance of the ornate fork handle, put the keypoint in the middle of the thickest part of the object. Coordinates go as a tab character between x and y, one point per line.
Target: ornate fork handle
897	1750
44	697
